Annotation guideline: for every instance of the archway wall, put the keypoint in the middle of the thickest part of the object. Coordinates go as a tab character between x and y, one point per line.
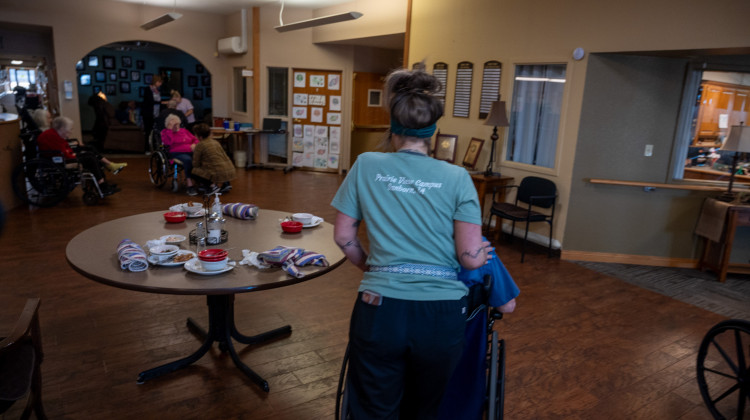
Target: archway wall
81	26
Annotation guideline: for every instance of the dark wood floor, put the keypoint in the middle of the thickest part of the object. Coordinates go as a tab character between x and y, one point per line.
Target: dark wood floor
580	345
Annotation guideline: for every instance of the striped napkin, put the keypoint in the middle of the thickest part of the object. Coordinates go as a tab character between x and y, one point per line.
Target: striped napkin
241	210
289	258
132	257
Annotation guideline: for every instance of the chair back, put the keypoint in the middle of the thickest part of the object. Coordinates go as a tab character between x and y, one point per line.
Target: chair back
533	186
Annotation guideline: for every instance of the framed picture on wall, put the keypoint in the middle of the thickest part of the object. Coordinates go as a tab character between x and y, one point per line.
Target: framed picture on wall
374	97
197	94
85	79
141	91
108	62
135	76
472	152
192	81
140	64
79	65
100	76
113	76
199	68
147	78
126	61
92	61
123	74
205	80
445	147
97	89
125	87
110	89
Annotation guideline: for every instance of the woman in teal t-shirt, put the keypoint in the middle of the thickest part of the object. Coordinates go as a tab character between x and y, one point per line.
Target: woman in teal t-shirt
423	224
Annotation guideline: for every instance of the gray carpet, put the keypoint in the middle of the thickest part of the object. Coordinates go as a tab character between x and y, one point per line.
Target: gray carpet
731	299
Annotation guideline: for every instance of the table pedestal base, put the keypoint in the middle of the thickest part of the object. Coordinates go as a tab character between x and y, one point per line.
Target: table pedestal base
221	329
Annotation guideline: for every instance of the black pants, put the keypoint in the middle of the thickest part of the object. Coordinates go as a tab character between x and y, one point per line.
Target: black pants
91	162
402	355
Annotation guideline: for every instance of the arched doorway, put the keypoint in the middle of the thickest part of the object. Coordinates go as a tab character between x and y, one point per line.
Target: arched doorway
122	72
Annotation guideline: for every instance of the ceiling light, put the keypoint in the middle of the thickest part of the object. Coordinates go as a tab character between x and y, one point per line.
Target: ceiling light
16	62
309	23
161	20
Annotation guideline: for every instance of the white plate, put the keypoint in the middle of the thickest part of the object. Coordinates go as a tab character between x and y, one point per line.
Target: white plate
195	266
314	222
170	263
178	207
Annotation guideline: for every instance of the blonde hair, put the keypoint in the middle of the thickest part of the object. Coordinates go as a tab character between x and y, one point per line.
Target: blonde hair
42	118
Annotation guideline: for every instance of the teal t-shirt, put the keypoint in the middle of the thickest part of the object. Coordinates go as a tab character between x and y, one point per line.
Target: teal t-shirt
409	202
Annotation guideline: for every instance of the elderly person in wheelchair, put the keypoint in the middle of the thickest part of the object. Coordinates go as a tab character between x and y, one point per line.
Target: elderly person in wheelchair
181	144
55	139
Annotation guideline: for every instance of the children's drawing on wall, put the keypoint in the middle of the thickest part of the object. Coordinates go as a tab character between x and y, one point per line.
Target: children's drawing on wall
299	79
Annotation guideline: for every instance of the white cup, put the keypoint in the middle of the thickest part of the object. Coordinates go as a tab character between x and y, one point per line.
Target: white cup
214	265
163	253
304	218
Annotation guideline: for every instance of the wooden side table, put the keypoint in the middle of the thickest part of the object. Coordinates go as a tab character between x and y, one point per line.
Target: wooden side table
715	255
485	184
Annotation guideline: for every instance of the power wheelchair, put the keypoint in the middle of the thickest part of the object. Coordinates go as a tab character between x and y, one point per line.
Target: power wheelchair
46	178
493	366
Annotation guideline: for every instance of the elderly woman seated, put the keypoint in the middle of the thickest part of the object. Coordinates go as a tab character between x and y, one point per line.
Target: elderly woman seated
181	144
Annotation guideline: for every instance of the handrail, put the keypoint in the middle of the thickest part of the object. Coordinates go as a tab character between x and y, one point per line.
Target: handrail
691	187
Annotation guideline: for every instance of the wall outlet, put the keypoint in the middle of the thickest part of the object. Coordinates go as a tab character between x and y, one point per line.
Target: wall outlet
649	150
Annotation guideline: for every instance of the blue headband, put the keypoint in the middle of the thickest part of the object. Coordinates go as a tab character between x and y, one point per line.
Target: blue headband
420	133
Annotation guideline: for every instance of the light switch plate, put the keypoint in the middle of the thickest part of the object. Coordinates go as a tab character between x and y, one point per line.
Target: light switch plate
649	150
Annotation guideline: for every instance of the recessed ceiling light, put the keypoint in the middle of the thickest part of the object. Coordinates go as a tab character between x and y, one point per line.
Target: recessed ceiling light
16	62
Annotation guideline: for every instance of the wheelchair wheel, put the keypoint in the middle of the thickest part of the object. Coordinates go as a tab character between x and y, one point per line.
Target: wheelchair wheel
157	169
496	378
341	395
40	183
722	369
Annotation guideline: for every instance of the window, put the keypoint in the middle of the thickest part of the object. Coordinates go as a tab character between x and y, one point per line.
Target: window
535	114
714	102
277	90
240	90
22	77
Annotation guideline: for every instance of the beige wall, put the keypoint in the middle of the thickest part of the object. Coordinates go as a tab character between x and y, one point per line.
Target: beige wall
547	31
79	26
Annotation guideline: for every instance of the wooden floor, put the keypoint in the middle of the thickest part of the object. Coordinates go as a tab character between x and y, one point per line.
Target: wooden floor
580	345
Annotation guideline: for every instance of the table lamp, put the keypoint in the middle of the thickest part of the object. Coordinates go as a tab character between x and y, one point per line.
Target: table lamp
737	141
497	118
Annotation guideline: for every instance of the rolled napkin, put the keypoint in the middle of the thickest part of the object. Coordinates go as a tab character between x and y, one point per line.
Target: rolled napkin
132	257
241	210
288	258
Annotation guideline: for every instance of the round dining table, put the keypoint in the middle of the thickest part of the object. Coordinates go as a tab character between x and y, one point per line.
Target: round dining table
93	253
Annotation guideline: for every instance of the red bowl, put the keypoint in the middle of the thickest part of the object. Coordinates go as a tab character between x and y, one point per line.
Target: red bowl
213	254
175	216
291	226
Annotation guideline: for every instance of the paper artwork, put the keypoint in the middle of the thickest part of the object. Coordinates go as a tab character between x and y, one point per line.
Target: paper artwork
308	158
299	79
297	130
334	82
333	118
300	99
321	162
317	81
321	145
316	114
317	100
334	145
335	103
309	132
298	144
333	161
297	159
321	131
334	133
299	112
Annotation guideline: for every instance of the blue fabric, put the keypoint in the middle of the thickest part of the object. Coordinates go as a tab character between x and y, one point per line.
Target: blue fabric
465	394
421	133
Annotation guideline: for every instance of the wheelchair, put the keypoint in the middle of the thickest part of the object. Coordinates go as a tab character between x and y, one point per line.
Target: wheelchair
723	369
494	363
161	167
45	178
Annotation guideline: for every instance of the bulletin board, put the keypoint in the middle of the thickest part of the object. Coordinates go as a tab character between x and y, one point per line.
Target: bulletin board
316	119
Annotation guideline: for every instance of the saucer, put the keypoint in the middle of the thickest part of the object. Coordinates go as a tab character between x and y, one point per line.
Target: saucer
314	222
195	266
170	263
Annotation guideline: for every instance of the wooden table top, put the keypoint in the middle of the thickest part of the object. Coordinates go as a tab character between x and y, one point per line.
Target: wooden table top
93	253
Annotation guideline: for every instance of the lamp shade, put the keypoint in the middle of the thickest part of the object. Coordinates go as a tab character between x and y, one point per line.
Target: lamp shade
738	139
498	117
